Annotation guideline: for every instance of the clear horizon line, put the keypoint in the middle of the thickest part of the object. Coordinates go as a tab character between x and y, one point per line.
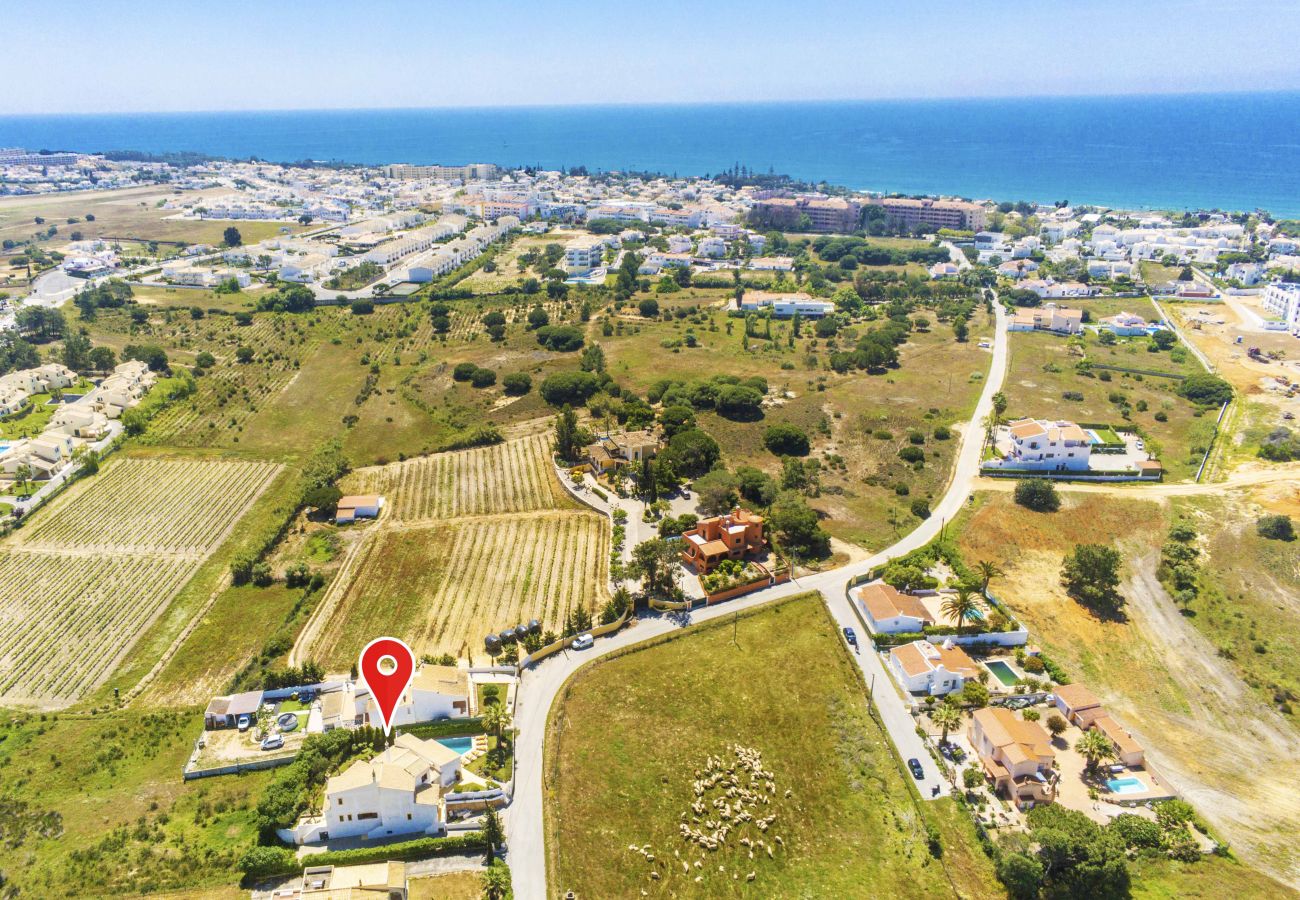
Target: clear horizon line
975	98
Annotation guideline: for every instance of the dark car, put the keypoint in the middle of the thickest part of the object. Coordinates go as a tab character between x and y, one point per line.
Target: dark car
917	772
851	636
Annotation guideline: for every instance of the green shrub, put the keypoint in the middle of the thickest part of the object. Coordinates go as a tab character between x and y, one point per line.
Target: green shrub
1037	494
516	384
1277	528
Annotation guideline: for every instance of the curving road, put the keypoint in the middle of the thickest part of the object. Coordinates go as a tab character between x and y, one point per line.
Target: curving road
539	686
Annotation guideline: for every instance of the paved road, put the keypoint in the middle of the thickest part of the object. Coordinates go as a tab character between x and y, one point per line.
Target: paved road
540	685
958	258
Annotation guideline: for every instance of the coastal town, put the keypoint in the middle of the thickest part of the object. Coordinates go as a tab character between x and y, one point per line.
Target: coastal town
960	527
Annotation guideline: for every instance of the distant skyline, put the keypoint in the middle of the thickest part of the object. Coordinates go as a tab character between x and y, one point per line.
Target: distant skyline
149	56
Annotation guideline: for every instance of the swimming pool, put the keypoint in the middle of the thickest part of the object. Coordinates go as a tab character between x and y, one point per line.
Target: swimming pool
1128	785
1002	672
461	745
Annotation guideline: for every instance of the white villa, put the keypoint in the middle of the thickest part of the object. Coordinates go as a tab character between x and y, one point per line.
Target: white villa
436	692
1047	318
1124	324
400	791
1050	446
923	668
889	611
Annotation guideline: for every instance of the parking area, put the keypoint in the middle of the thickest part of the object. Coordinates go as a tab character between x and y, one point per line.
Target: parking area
227	746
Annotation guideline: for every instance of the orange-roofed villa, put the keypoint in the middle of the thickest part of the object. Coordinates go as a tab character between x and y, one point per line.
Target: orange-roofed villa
732	536
1016	754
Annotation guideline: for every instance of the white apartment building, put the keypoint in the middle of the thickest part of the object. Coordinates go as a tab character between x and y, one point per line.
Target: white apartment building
1283	301
584	253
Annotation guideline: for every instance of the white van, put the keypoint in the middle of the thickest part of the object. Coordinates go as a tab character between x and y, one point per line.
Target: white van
583	641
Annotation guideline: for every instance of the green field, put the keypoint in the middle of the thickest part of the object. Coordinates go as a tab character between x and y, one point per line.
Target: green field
629	732
125	824
1042	369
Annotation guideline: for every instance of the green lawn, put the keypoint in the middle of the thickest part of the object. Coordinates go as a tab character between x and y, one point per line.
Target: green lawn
628	734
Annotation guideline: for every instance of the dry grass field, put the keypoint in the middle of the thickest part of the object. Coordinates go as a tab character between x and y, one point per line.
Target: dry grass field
90	574
468	543
628	733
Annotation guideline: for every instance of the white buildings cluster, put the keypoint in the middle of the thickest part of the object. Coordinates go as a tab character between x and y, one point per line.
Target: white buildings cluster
86	419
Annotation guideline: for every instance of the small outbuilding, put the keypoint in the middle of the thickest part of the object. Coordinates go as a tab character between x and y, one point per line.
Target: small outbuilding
362	506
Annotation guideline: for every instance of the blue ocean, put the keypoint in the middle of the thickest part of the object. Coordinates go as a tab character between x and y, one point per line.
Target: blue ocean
1227	151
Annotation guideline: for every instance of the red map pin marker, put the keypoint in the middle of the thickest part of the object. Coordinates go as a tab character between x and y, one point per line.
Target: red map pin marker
387	665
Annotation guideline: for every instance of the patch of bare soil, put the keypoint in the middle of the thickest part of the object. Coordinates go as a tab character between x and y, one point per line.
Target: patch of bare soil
1232	756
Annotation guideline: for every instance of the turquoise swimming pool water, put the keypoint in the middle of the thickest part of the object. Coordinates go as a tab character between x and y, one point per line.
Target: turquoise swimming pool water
461	745
1126	785
1002	672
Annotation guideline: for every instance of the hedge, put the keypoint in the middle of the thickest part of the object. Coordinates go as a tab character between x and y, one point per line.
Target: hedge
444	728
263	862
417	849
1057	673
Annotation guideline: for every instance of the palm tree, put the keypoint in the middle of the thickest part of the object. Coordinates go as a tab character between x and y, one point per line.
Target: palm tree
1096	748
988	571
23	476
496	882
496	718
947	717
962	607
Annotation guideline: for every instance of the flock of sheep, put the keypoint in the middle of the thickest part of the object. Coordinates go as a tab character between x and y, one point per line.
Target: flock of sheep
728	797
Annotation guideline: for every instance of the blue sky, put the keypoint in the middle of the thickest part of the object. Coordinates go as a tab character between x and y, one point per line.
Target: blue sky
145	55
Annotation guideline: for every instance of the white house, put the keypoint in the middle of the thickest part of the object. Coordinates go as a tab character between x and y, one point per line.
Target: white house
712	247
79	421
436	692
889	611
1049	446
923	668
398	792
358	506
944	270
1125	324
1047	318
784	306
1050	289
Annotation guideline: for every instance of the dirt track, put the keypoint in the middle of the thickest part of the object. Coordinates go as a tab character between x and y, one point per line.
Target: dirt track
1233	757
1242	478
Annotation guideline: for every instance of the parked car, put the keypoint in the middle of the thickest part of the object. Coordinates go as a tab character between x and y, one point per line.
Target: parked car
244	722
917	772
851	636
583	641
273	742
